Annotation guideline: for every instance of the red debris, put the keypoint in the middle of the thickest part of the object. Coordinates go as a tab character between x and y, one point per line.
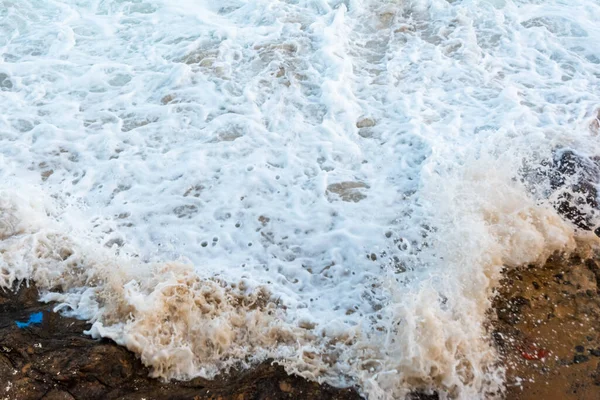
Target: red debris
533	353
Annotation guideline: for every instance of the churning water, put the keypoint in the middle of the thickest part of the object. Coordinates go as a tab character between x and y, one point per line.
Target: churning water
333	184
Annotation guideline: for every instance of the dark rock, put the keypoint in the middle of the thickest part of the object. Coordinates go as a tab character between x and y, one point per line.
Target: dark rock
571	180
580	358
592	265
53	360
511	310
499	339
595	352
575	177
575	259
558	276
520	301
58	395
84	389
423	396
579	349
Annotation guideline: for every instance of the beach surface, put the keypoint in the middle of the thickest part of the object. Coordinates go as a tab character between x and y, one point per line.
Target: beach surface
544	323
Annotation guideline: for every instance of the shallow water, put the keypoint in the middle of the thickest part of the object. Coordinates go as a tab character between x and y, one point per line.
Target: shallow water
333	184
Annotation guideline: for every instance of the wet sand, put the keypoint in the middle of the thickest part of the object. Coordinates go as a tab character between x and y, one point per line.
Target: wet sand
548	330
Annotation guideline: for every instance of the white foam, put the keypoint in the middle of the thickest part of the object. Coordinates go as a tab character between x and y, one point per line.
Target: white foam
331	184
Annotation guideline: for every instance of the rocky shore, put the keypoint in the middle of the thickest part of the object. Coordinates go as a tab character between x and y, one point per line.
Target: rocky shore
544	324
46	356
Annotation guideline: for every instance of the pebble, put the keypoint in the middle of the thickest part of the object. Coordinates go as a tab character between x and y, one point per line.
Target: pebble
580	358
285	387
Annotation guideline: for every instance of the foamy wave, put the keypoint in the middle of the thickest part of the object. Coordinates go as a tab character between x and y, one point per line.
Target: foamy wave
180	324
429	330
334	185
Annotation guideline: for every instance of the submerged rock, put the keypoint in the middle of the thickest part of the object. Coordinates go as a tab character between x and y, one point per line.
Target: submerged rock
349	191
5	82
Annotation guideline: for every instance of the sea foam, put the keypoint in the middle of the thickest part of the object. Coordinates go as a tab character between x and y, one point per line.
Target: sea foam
335	185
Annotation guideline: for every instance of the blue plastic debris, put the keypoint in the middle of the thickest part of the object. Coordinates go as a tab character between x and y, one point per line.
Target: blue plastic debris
34	319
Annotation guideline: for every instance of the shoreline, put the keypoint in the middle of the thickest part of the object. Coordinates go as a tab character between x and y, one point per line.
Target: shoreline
48	357
543	324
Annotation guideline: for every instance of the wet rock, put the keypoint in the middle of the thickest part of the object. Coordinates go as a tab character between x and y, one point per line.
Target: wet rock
423	396
593	266
167	99
51	359
365	127
58	395
499	339
365	123
575	177
348	191
580	358
368	133
510	310
559	276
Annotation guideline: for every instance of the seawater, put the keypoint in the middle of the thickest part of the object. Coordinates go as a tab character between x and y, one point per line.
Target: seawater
331	184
